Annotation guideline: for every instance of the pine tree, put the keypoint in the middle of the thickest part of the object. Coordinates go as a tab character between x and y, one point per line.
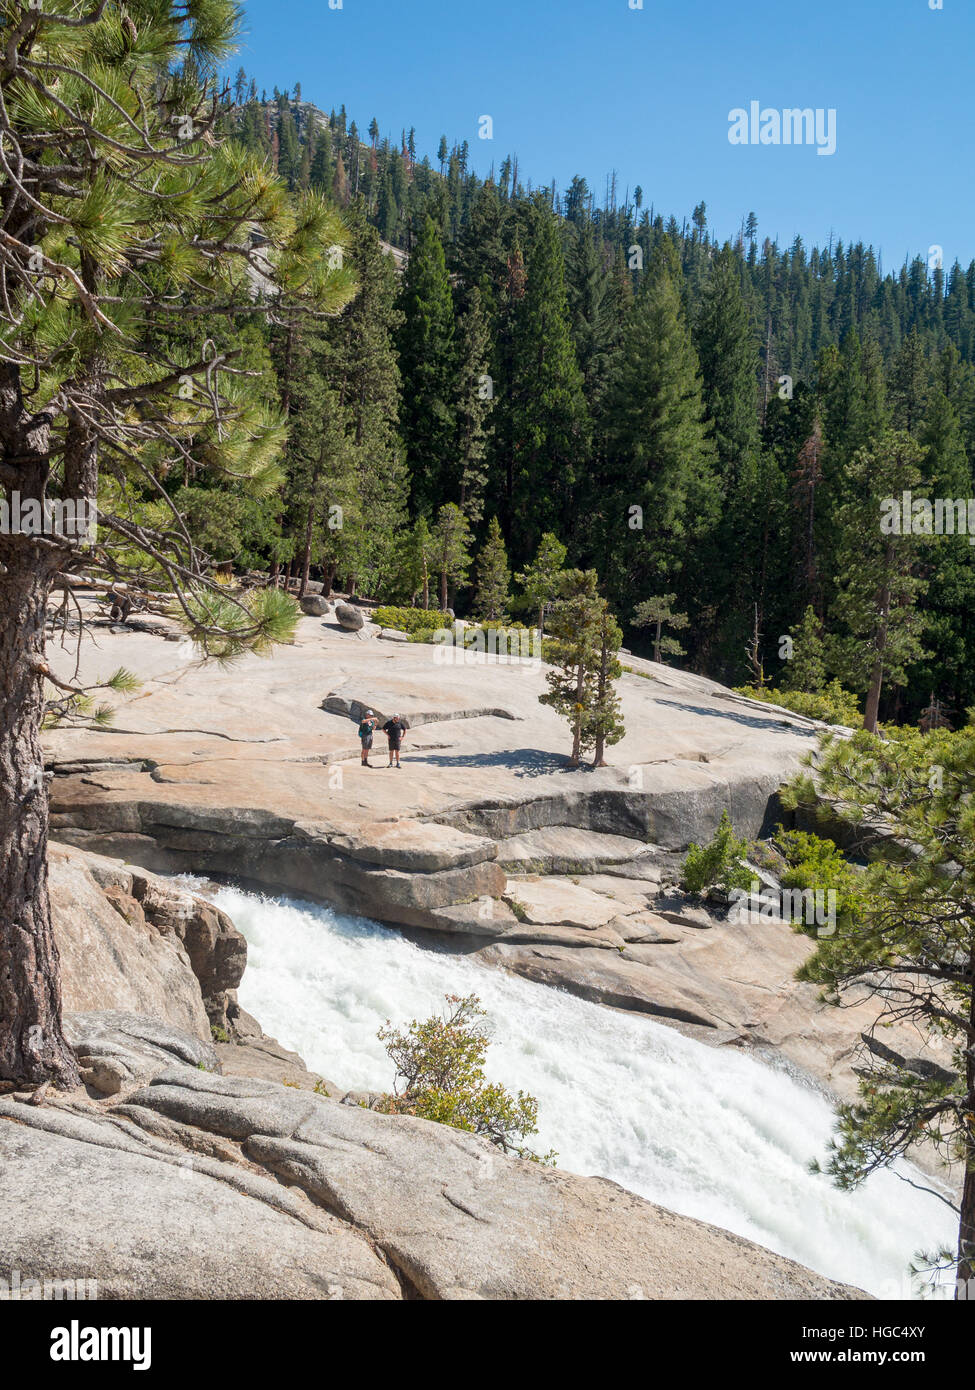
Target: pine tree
878	587
660	469
806	670
658	613
548	429
493	578
542	579
474	401
427	362
909	384
450	545
581	655
909	946
340	182
589	284
136	223
950	562
604	721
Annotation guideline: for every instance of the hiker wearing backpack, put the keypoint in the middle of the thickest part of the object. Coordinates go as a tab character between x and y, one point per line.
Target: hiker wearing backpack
366	730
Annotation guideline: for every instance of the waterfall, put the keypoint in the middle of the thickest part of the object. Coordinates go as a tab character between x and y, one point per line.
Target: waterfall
709	1132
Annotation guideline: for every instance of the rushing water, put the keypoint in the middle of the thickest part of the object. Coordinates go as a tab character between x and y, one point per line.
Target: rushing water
705	1131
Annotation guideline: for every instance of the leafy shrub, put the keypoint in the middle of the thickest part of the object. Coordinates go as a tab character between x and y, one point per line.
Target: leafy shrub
440	1076
833	705
718	864
816	864
411	620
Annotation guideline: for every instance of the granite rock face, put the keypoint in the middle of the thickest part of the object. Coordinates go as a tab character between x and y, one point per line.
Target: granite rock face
198	1185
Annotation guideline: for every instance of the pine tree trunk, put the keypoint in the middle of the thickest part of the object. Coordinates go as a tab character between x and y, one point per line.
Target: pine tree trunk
872	708
656	644
965	1286
599	752
577	722
306	557
443	591
32	1045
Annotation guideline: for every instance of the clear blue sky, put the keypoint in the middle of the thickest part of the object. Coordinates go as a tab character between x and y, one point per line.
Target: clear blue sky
586	86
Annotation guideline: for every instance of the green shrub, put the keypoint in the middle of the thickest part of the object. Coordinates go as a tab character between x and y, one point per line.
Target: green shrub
411	620
816	864
440	1077
833	705
718	864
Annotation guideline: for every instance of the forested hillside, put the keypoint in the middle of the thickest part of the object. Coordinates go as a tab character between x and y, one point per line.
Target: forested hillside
713	424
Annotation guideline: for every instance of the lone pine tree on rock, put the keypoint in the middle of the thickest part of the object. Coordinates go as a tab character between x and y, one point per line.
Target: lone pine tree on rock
586	638
123	215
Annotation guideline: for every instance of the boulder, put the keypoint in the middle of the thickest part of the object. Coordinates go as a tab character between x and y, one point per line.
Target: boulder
216	950
116	1050
136	1217
314	606
349	617
456	1218
112	957
558	901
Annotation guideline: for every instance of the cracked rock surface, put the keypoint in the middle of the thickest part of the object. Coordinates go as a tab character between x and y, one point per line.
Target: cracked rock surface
198	1185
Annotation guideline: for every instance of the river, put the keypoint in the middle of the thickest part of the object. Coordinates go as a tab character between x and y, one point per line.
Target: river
709	1132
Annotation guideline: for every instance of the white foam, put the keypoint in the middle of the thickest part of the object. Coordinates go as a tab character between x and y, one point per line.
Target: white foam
705	1131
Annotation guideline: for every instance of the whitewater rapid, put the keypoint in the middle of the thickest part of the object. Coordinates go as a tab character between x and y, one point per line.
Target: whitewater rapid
705	1131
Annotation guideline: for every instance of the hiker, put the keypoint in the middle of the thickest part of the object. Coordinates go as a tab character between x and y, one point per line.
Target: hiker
394	729
366	730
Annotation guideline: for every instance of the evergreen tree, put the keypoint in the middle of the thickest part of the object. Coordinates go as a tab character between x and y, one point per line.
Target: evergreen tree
909	945
493	577
474	401
547	439
450	545
604	721
589	283
806	670
427	363
135	226
949	668
660	469
878	585
542	579
658	613
582	660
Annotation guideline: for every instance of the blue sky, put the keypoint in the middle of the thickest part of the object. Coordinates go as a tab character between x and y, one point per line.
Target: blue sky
586	86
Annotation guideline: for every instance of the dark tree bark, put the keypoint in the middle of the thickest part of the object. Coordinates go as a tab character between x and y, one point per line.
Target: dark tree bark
871	710
32	1044
306	553
599	752
965	1286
